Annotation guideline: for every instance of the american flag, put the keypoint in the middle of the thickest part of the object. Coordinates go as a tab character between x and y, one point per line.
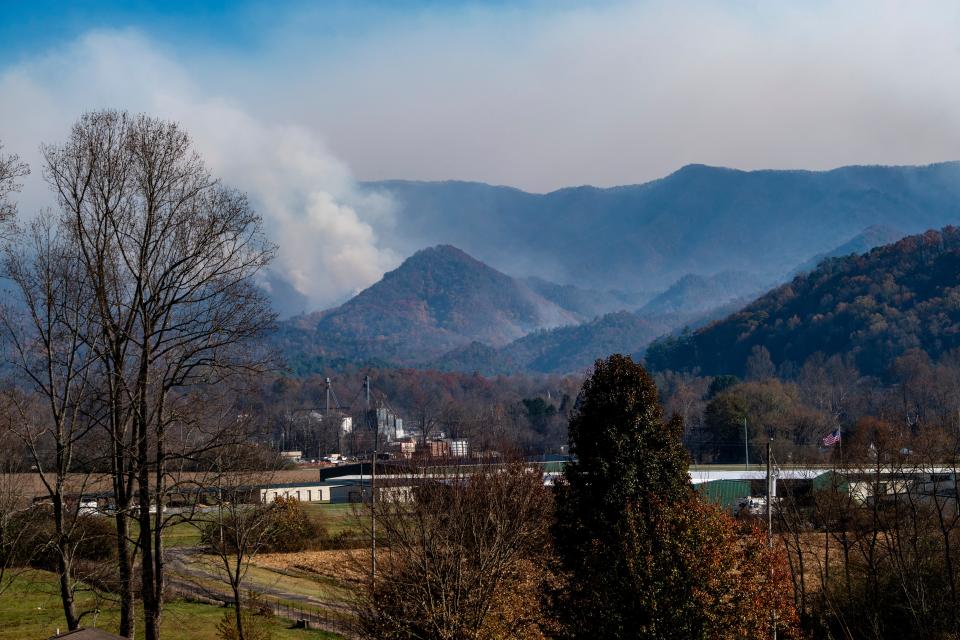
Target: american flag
831	438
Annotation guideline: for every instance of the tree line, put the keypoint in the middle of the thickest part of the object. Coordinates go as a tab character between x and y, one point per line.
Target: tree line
621	547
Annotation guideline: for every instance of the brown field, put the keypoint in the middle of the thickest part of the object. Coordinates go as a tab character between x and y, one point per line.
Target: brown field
342	565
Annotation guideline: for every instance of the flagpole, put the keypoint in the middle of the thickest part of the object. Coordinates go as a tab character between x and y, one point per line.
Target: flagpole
840	442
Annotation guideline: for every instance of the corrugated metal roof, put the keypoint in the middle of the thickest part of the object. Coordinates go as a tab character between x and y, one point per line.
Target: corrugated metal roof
724	493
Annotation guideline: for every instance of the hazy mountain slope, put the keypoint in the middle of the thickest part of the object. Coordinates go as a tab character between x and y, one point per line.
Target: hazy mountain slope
873	236
438	299
873	306
586	302
697	220
561	350
693	294
574	348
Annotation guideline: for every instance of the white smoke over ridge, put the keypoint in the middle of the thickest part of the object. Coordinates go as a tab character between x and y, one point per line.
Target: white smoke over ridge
324	226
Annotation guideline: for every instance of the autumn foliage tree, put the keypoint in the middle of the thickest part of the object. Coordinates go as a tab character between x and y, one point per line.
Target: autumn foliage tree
643	557
466	558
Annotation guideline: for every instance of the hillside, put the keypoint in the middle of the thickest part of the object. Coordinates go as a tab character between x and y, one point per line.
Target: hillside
442	309
566	349
696	294
438	299
575	348
699	219
873	236
586	302
873	307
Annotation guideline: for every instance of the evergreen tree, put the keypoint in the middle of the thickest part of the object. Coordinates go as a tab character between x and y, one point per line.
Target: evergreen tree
642	555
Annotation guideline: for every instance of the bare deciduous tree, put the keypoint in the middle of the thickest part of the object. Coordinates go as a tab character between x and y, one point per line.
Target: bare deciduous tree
15	516
237	529
170	255
46	328
10	169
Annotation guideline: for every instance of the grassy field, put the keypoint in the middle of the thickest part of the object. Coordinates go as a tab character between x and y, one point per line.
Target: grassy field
30	608
336	518
180	534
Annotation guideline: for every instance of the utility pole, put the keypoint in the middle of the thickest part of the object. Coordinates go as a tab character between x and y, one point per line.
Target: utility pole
373	486
326	406
746	445
326	416
771	492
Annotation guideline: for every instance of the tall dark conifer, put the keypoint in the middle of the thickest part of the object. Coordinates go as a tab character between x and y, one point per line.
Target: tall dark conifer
642	555
628	460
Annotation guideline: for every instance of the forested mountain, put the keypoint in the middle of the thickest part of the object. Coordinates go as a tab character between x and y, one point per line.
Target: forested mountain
444	310
574	348
872	307
438	299
697	220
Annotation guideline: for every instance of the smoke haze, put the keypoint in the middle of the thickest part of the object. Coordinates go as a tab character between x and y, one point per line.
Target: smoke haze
324	226
538	95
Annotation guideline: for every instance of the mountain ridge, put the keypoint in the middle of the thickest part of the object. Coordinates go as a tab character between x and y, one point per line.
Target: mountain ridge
698	219
872	308
437	299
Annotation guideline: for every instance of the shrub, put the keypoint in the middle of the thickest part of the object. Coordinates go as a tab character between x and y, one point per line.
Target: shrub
91	537
292	529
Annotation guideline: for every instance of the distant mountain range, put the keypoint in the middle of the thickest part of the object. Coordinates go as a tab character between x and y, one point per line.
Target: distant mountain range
871	307
562	350
700	219
594	271
442	309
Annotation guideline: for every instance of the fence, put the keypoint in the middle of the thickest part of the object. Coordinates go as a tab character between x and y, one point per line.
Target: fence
333	619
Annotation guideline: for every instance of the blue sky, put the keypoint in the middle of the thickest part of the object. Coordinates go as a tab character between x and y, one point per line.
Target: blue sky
295	102
239	26
31	27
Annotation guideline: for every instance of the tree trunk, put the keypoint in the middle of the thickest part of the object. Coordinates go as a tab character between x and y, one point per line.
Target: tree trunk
159	493
151	612
66	593
237	606
122	498
63	551
125	571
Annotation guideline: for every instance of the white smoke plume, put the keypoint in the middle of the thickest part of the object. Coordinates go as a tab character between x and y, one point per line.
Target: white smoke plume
324	226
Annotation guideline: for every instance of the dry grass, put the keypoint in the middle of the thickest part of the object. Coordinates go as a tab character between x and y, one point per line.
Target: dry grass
342	565
813	546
